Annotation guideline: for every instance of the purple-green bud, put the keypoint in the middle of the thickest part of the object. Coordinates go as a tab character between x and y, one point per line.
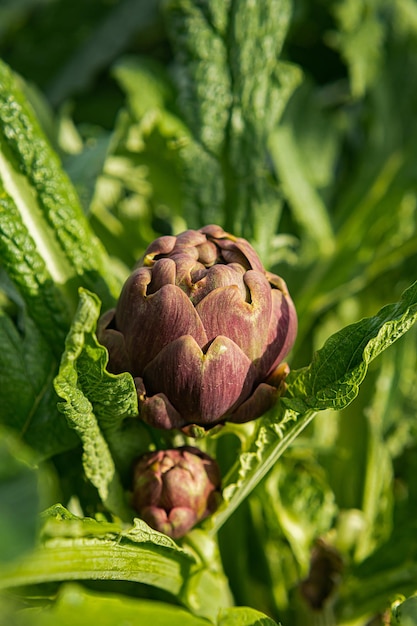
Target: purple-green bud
202	327
175	489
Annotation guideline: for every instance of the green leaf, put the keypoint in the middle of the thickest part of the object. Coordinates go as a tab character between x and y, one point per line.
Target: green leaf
389	571
86	166
360	41
333	378
299	504
47	303
377	480
231	97
25	367
147	159
19	499
76	607
74	548
405	613
261	86
148	90
244	616
204	94
201	69
204	193
96	403
308	208
76	526
41	214
27	398
271	437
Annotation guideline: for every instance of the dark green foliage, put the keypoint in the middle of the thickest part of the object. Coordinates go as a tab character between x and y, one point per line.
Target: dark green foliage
292	124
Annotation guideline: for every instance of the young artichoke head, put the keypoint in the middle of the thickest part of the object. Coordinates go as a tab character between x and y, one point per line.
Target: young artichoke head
202	327
175	489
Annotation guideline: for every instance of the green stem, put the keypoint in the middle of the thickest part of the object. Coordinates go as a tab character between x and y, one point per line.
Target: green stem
267	459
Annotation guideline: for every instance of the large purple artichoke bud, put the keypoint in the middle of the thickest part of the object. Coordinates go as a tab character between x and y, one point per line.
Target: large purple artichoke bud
175	489
202	327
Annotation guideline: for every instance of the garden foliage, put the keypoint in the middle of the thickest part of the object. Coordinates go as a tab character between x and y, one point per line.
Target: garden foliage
290	123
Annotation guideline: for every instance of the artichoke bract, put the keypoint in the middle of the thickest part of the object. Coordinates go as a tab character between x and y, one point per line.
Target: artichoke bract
175	489
202	327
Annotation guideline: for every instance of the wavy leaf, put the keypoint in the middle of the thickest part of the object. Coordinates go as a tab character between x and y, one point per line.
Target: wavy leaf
95	403
332	380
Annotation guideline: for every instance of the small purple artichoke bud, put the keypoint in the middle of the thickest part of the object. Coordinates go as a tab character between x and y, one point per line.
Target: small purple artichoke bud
202	327
175	489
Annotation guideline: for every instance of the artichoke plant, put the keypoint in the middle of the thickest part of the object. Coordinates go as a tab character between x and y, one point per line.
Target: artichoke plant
175	489
202	327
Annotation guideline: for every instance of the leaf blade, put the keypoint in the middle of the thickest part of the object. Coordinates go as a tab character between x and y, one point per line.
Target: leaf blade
76	548
87	392
333	378
45	198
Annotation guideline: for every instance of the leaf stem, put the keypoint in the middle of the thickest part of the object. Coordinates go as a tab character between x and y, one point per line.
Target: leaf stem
265	459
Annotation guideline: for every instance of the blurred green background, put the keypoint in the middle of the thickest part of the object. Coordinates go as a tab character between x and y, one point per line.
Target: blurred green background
298	132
